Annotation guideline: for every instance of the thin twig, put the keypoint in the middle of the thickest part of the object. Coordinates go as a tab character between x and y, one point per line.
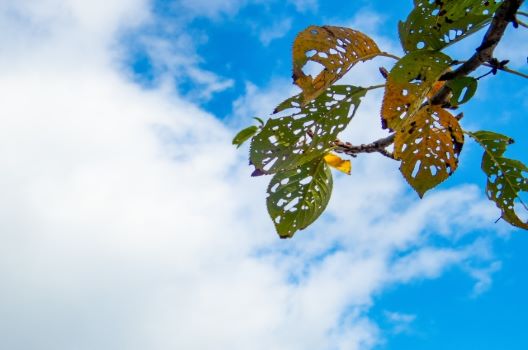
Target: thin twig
506	69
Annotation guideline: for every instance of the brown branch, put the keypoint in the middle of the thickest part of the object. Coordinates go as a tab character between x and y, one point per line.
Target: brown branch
378	146
484	53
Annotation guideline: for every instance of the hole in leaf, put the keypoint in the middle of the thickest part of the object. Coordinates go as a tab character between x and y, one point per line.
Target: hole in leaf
292	204
270	164
310	53
313	68
416	169
306	180
433	170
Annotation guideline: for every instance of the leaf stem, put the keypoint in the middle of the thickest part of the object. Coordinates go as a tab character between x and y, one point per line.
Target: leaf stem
389	55
373	87
522	13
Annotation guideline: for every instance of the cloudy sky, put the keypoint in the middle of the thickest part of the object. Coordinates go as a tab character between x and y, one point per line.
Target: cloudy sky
128	221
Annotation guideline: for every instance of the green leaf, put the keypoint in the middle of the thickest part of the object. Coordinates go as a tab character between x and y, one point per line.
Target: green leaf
506	177
463	89
261	122
297	197
244	135
434	24
309	132
408	84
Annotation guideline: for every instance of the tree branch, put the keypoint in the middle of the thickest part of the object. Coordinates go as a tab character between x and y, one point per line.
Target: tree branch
378	146
484	53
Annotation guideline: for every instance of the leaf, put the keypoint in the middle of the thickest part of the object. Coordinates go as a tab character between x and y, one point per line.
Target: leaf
297	197
336	48
338	163
244	135
428	147
309	132
505	176
463	89
433	25
259	120
408	84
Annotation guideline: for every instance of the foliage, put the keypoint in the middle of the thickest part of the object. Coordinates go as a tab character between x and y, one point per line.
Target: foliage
298	144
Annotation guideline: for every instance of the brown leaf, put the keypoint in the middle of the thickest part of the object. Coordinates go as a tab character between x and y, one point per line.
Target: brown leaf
428	146
336	48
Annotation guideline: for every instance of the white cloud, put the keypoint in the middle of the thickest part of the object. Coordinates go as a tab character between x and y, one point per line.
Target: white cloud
276	31
401	322
129	221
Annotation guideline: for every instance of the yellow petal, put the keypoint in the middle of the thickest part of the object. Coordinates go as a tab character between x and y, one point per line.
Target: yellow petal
337	163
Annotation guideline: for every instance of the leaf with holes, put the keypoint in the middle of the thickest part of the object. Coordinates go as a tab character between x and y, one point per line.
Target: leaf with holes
337	49
408	84
436	24
244	135
428	147
338	163
297	197
506	177
309	132
463	89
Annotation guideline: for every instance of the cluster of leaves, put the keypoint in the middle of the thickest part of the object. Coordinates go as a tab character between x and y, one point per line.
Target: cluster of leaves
297	144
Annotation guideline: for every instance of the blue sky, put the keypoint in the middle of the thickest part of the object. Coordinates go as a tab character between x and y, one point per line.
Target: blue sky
130	222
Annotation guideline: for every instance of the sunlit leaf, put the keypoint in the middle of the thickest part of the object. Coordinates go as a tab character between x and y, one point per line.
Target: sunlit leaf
309	132
408	84
428	147
297	197
506	177
463	89
337	49
435	24
244	135
338	163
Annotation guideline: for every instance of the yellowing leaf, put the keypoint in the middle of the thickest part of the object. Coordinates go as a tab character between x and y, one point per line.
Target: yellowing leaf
337	49
336	162
408	84
428	147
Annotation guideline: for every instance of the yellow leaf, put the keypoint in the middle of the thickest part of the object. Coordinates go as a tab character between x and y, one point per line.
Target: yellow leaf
428	147
337	49
410	82
338	163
